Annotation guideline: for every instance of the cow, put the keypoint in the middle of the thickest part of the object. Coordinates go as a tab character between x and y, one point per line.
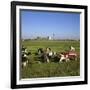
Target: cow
72	48
24	60
50	54
43	54
46	54
71	55
25	54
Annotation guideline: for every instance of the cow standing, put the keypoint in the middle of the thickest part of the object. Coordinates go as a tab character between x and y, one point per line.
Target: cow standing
25	54
46	54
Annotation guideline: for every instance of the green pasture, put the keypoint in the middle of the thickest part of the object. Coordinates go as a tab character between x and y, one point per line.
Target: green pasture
38	69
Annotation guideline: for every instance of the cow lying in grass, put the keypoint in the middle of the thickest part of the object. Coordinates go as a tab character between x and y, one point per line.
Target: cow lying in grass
71	55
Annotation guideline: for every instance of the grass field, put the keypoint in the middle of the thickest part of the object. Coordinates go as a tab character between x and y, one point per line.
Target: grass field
52	69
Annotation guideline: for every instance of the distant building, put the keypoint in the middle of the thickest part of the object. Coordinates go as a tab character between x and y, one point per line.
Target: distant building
50	38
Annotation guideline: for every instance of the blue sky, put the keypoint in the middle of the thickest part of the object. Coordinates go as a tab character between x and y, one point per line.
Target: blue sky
42	23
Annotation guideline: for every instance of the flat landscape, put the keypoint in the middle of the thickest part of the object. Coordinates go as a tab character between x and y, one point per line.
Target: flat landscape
38	69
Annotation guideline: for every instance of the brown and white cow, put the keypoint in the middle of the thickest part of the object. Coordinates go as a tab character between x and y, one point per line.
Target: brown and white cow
71	55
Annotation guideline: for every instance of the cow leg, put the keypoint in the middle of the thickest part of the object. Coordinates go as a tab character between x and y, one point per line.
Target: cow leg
24	64
61	60
67	59
47	60
27	61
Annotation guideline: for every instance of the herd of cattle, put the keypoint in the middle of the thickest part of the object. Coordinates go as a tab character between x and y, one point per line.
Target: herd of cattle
47	54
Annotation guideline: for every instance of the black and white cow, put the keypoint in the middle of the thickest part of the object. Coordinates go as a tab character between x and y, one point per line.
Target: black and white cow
25	55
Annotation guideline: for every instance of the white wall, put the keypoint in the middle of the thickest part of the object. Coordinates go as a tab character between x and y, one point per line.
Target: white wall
5	44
